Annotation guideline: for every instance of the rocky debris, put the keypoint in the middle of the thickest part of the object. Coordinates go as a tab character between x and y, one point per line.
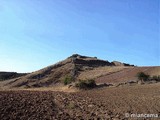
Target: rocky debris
104	85
116	63
88	61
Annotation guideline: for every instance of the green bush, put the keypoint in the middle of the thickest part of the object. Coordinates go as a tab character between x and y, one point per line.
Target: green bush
86	84
67	80
81	84
142	76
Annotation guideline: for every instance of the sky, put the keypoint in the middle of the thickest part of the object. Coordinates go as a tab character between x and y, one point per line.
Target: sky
38	33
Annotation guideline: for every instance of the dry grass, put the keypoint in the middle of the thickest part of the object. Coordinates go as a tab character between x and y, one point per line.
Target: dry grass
100	71
60	88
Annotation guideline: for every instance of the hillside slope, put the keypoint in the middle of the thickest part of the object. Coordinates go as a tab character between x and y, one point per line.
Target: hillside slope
10	75
81	67
54	74
127	74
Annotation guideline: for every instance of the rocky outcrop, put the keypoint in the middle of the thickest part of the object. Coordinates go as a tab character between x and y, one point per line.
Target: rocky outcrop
88	61
116	63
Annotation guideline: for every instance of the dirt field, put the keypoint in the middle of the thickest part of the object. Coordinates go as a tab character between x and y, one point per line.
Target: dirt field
103	103
126	74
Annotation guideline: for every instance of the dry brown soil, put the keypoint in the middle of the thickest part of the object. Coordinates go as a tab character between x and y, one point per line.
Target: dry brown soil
103	103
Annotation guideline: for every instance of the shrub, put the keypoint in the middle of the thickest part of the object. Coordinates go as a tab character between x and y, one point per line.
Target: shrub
81	84
156	78
86	84
67	80
142	76
91	83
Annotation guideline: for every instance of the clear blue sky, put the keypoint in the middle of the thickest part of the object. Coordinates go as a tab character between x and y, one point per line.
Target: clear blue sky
38	33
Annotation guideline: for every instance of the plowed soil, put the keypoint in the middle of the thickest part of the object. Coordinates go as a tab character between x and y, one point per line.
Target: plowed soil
102	103
126	74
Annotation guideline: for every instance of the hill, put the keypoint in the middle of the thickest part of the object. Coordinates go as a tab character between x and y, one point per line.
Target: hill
81	67
60	102
10	75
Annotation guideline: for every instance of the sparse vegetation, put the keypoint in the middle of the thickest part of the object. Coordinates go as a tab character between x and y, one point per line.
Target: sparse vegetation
86	84
67	80
142	76
156	78
145	77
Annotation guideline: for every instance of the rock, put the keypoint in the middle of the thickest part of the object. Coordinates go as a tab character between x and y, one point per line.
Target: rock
90	106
